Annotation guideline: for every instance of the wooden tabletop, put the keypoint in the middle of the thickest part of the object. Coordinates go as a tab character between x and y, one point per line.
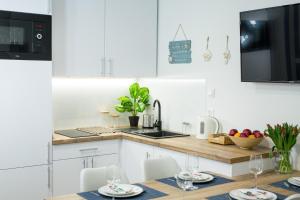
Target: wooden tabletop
191	145
245	181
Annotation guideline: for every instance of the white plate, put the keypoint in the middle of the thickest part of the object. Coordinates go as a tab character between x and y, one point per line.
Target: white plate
207	178
294	182
106	191
236	194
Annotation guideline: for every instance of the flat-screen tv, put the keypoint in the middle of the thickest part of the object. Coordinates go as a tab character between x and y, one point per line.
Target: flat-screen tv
270	44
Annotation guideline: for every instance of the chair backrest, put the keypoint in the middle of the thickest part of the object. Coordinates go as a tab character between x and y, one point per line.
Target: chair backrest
160	168
93	178
293	197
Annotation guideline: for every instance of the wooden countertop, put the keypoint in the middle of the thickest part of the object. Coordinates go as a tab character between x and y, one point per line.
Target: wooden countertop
228	154
247	181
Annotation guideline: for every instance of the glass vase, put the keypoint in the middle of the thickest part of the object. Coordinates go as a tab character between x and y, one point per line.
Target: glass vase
283	162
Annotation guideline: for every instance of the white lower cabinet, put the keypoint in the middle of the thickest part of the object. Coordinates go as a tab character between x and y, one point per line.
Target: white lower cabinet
66	175
70	159
104	160
29	183
132	155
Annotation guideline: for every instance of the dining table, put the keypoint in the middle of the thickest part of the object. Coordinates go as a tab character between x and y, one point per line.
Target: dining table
270	181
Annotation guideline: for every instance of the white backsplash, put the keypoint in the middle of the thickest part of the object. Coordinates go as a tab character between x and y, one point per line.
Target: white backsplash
79	102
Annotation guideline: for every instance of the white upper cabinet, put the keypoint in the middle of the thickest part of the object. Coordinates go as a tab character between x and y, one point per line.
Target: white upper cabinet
29	6
131	36
78	37
111	38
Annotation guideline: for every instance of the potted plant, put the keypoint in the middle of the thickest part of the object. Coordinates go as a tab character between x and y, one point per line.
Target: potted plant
284	137
136	103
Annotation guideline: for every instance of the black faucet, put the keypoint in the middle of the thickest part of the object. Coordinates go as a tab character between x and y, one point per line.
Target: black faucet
158	122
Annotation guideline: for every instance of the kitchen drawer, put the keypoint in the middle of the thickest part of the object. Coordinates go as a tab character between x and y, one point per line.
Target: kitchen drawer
67	151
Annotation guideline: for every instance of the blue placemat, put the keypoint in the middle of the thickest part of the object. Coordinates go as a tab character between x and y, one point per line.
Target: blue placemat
285	185
226	196
148	193
218	180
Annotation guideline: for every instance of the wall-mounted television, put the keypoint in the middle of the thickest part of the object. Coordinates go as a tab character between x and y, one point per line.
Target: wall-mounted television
270	44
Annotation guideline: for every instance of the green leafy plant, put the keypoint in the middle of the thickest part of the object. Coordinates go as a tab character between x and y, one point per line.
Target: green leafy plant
284	137
137	102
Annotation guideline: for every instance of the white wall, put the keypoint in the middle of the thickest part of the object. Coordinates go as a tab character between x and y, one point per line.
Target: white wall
236	104
182	100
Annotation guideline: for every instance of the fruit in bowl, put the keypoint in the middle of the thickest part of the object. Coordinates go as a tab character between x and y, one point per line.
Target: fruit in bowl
246	139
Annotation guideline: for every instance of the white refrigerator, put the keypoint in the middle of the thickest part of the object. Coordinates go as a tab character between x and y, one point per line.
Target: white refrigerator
25	129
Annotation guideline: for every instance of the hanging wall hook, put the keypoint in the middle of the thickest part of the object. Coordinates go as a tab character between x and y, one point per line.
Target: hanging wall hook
207	53
227	54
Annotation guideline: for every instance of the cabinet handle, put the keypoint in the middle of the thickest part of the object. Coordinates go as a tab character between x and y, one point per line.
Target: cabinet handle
83	162
92	162
49	153
103	60
147	155
89	149
110	66
49	178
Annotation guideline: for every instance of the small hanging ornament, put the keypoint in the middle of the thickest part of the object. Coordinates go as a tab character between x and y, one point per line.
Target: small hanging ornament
207	53
227	54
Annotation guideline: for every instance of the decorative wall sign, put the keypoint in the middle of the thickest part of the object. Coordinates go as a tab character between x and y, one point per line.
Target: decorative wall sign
227	54
180	51
207	55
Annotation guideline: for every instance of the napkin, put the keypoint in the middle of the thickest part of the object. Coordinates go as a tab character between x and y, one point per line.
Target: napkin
253	194
198	176
120	189
185	176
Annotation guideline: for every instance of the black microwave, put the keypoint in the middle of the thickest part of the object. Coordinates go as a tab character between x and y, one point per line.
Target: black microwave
25	36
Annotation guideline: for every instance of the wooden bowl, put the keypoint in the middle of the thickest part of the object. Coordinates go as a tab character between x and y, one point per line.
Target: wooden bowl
246	143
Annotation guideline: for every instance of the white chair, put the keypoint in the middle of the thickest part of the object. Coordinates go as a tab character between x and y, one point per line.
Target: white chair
93	178
160	168
293	197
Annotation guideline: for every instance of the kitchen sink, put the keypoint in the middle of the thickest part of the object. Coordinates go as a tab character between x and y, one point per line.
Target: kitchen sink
152	133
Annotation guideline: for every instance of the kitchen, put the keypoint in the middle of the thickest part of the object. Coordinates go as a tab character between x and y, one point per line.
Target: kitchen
99	49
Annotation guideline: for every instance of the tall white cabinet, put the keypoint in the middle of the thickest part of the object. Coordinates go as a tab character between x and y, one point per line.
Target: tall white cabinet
29	6
104	38
131	34
78	37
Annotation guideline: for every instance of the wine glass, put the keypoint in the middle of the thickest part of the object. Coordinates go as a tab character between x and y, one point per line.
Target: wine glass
256	166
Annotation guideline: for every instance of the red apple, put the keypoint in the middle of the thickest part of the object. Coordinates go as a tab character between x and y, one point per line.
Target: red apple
244	135
247	131
232	132
258	134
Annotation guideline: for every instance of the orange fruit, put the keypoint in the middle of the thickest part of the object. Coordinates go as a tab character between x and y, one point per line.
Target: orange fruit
238	134
251	136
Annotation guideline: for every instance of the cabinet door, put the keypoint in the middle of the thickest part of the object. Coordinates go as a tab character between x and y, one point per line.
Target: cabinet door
25	183
66	175
132	156
131	38
184	160
29	6
26	113
78	37
103	160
